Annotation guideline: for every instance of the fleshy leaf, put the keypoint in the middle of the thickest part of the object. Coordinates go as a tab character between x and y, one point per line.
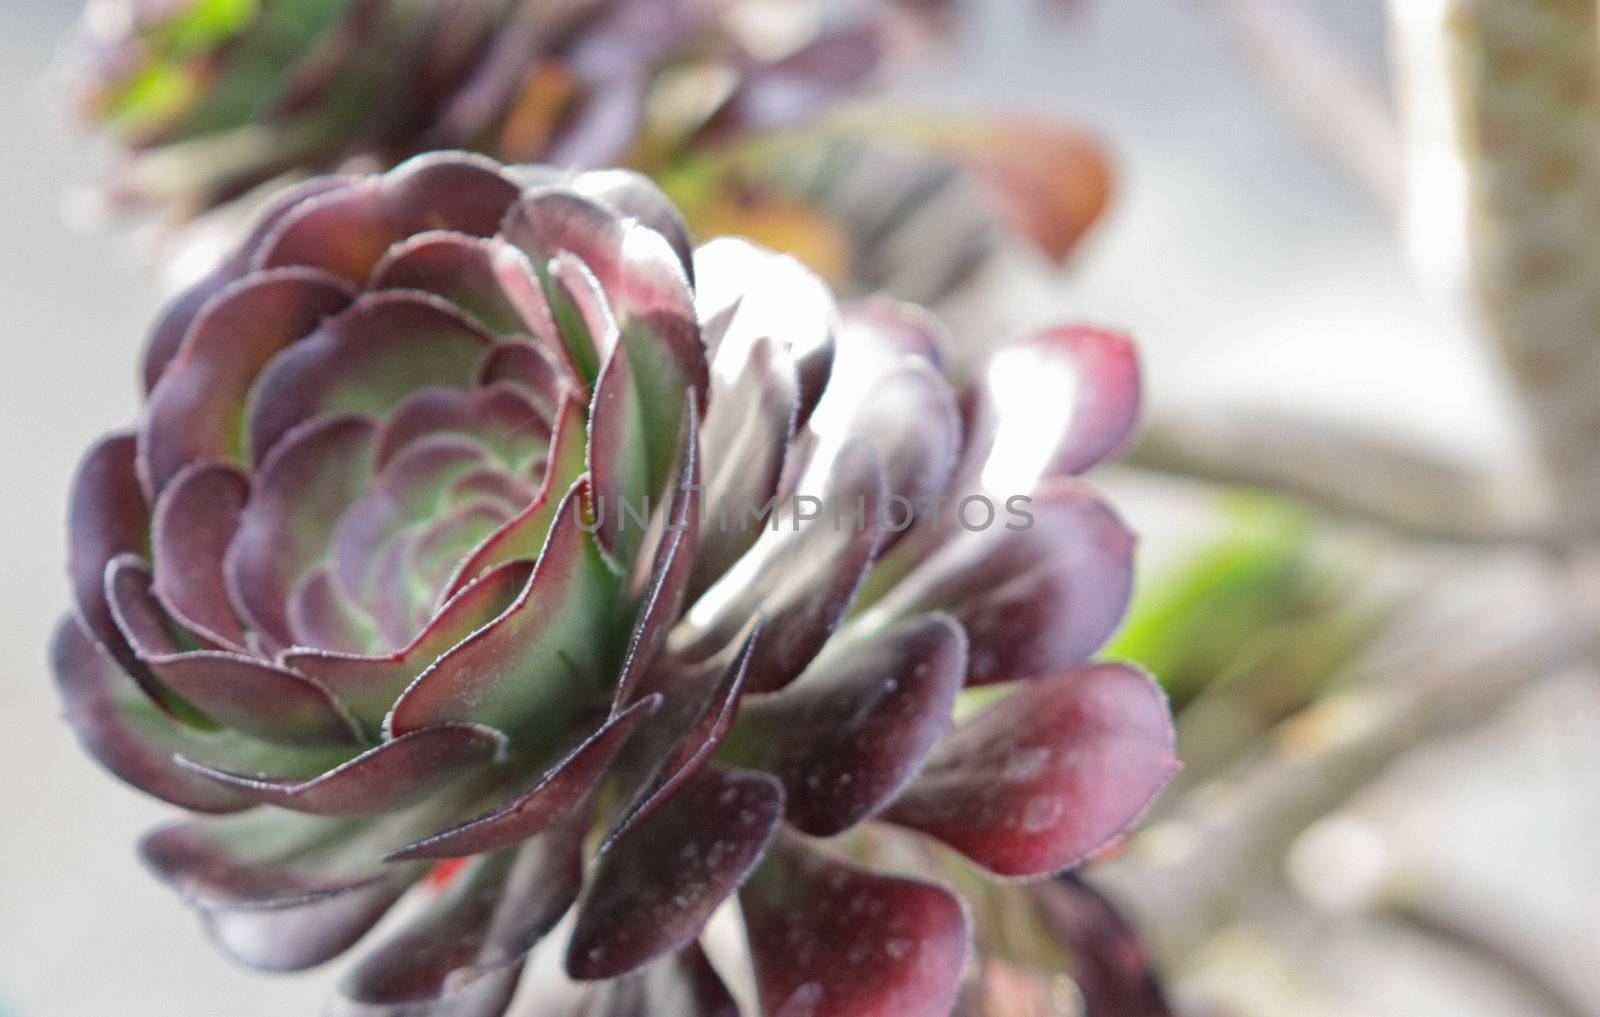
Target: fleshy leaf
106	517
906	412
618	459
500	416
745	293
279	890
320	614
831	940
195	522
528	366
699	702
1037	590
801	577
386	777
560	793
656	888
407	492
174	324
747	431
640	274
636	197
196	412
122	728
659	583
1048	773
886	330
1051	406
347	230
855	728
524	535
1110	965
462	269
463	955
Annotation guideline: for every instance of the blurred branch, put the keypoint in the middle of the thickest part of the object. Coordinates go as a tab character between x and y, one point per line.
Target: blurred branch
1344	474
1325	85
1485	950
1444	671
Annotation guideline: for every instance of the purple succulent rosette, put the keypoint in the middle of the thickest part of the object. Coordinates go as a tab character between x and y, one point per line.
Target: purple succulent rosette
366	587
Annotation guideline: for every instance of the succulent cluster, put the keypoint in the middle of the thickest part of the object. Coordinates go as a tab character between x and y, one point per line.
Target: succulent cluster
474	514
209	98
751	114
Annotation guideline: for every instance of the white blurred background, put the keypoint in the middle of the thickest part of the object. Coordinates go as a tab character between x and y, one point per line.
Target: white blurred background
1254	267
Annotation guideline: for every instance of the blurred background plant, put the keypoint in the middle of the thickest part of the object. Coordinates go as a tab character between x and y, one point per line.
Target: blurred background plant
755	115
1366	484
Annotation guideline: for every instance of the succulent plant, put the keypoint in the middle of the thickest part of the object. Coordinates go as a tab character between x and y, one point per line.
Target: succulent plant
209	98
749	113
472	514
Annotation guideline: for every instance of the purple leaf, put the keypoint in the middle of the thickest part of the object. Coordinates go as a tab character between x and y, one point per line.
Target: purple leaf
524	535
831	940
1109	964
1047	774
888	330
437	548
637	197
905	411
699	702
386	777
175	322
106	517
656	888
346	231
660	589
560	794
500	416
682	985
1052	406
638	271
196	518
805	577
122	728
745	293
1034	593
464	270
531	368
194	413
855	728
405	492
279	890
747	432
320	614
463	955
